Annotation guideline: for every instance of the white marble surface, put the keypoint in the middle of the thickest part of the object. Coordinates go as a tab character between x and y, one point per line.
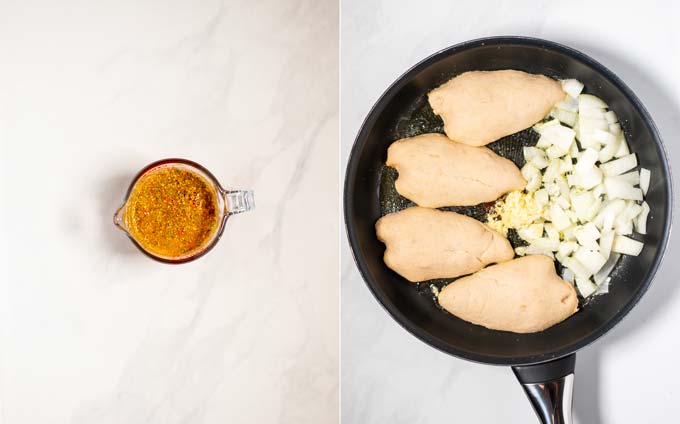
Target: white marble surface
630	375
91	331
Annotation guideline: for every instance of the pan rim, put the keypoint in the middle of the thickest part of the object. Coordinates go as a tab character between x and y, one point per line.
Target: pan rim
352	169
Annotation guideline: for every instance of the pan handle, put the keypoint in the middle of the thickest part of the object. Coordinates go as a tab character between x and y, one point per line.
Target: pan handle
549	386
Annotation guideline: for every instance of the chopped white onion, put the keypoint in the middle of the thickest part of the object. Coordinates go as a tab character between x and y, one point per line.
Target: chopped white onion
586	190
611	118
567	248
534	183
577	268
529	171
627	246
619	166
531	233
601	275
623	148
616	188
536	250
585	286
545	244
590	259
541	196
641	220
606	243
608	151
566	116
604	287
587	101
645	177
632	177
569	104
587	236
572	87
542	125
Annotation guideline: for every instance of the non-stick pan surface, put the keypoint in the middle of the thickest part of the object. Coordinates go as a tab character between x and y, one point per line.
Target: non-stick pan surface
403	111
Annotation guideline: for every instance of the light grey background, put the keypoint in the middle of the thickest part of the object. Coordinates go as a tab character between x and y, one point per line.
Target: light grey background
91	330
388	376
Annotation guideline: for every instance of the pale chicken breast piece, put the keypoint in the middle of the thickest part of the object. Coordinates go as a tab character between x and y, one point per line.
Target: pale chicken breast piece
423	244
479	107
435	171
524	295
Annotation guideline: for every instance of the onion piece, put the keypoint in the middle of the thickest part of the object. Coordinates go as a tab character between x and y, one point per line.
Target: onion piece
541	196
641	220
611	118
555	152
590	259
569	104
628	214
582	203
619	166
623	148
632	177
601	275
604	287
542	125
605	218
568	233
558	217
531	233
588	101
539	160
585	286
607	153
552	233
568	276
529	171
627	246
534	183
615	129
602	137
567	117
645	177
585	178
546	244
587	236
598	191
535	250
577	268
559	135
566	165
572	87
624	229
567	248
606	242
530	151
617	188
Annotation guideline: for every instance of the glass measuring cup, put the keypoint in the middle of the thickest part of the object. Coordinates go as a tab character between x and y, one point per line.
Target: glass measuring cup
227	203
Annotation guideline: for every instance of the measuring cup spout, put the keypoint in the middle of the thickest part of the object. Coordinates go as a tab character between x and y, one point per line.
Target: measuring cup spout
118	219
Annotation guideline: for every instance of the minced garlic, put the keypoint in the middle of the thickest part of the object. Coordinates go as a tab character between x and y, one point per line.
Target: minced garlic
516	210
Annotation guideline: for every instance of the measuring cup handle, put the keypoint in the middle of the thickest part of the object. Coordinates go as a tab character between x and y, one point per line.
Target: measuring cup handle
237	201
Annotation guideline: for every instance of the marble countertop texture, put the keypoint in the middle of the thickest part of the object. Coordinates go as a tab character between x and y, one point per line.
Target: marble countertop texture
92	331
629	375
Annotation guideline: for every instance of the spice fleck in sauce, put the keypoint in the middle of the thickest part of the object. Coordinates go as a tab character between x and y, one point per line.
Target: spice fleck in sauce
172	212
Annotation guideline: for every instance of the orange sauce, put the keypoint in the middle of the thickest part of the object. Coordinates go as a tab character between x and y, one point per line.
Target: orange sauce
172	212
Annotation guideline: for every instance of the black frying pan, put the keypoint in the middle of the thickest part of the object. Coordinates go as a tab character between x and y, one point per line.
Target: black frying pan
543	362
